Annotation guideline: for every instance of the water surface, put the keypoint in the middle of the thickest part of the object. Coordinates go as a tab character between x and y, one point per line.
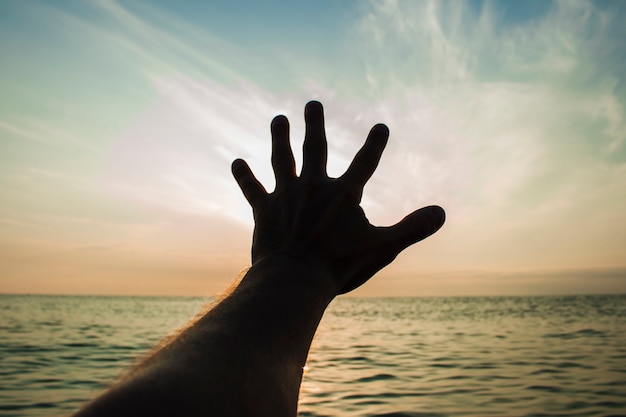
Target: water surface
483	356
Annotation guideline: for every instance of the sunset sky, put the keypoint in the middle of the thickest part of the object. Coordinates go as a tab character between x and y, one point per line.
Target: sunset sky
119	121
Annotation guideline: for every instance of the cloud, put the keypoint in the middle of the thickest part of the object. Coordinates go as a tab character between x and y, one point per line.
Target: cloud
178	153
514	124
167	42
529	120
509	153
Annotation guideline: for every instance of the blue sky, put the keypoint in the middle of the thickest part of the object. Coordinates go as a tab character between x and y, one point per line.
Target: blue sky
119	120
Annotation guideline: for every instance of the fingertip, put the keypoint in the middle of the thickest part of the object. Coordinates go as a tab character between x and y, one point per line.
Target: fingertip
438	217
416	226
280	120
313	105
237	165
314	111
380	134
381	128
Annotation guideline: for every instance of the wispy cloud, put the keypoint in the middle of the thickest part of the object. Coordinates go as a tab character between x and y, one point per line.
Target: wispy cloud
505	151
515	124
532	114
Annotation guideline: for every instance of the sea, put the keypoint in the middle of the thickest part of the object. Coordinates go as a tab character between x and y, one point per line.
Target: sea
374	357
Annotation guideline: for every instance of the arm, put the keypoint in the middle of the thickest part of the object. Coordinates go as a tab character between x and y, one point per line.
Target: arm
311	242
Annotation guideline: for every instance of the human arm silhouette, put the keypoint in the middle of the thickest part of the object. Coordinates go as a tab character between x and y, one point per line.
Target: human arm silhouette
311	242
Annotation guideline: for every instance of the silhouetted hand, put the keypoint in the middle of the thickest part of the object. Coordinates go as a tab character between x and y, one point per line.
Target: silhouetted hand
321	216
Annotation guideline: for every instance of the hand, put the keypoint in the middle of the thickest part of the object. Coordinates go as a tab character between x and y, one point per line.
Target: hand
322	216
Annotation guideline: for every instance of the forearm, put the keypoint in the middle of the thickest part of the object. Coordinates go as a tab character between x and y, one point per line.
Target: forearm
244	357
276	307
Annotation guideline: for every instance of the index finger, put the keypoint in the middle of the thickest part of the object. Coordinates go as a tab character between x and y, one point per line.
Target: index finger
366	160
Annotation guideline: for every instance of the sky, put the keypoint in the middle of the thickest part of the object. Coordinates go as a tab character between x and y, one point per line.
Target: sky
119	121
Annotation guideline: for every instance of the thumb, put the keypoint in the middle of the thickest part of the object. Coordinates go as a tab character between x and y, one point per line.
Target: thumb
415	227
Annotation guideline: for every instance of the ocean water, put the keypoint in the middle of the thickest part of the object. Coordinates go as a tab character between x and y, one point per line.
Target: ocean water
393	357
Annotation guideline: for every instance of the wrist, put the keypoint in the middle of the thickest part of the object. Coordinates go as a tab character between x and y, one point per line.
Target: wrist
294	270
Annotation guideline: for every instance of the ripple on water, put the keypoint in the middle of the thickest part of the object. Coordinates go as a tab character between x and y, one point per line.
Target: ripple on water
408	414
377	377
435	357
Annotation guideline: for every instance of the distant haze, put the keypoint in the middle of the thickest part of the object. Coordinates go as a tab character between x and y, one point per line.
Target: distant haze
119	121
